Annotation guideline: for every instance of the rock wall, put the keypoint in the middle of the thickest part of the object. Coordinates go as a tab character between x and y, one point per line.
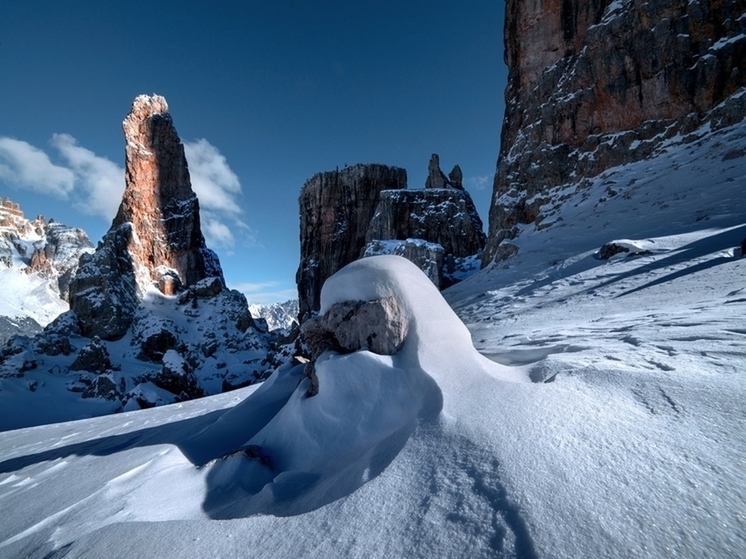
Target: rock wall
335	210
438	215
155	238
598	83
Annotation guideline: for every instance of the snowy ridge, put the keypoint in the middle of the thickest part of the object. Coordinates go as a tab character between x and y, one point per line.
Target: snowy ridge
279	316
37	260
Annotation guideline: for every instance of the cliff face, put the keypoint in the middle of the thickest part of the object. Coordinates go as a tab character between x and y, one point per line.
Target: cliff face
50	249
155	238
445	216
599	83
335	210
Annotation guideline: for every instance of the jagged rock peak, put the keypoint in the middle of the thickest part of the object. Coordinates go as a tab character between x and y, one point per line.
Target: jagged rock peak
436	178
158	199
155	240
592	85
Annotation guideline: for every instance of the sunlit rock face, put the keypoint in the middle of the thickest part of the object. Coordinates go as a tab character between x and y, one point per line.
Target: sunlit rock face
155	238
599	83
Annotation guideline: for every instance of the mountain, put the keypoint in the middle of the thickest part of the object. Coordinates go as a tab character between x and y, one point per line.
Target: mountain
278	316
594	85
37	261
151	321
606	420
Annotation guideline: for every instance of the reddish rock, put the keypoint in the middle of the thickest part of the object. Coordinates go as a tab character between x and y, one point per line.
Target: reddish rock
155	238
595	84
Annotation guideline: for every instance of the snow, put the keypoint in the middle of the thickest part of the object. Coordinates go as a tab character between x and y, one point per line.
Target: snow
602	416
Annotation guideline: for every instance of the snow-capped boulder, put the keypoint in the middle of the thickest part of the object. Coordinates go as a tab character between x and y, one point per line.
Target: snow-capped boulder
377	326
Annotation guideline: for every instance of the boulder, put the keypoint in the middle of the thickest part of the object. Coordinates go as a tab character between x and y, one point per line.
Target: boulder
428	257
93	358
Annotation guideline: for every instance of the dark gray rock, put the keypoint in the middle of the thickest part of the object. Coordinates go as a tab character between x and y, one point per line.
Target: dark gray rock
445	216
428	257
335	211
93	358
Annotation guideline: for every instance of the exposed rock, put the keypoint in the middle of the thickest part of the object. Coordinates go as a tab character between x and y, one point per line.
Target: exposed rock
158	198
611	249
456	178
435	177
445	216
93	358
596	84
49	249
104	293
177	377
209	287
155	238
103	387
335	210
377	326
428	257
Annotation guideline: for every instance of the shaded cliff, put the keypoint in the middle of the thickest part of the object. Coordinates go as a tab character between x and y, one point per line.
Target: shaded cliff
596	84
335	210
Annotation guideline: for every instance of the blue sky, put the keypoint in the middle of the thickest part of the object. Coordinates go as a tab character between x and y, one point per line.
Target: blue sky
264	95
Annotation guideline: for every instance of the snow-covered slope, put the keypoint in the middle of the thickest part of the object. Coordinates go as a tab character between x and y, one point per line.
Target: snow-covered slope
37	260
608	421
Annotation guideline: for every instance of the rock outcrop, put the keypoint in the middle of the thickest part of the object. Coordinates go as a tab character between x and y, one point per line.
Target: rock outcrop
444	215
597	84
155	238
335	210
49	249
366	210
377	326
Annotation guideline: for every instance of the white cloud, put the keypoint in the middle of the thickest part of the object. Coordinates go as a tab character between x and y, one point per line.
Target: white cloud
218	189
479	182
99	181
213	180
95	183
24	166
265	293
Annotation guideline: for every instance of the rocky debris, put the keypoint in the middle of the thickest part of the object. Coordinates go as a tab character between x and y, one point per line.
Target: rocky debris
176	376
335	210
377	326
93	358
428	257
102	387
209	287
445	216
593	85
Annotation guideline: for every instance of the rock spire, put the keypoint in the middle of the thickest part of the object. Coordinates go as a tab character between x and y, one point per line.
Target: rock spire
155	238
